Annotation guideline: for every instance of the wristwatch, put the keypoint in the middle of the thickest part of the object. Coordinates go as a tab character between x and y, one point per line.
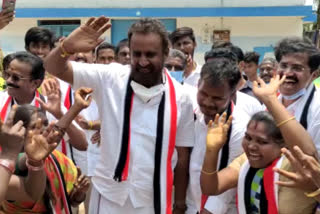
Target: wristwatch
8	164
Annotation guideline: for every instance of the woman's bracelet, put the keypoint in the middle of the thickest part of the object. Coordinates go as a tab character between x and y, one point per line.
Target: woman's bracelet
34	168
313	194
209	173
8	165
285	121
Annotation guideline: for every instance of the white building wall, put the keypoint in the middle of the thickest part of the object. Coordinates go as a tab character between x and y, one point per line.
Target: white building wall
246	32
152	3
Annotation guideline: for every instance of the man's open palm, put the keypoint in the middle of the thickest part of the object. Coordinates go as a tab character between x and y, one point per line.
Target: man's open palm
86	37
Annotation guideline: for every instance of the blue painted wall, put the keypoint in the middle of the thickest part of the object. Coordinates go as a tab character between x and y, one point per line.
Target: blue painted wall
120	28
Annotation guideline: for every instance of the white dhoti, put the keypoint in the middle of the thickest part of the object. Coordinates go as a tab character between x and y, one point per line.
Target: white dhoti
101	205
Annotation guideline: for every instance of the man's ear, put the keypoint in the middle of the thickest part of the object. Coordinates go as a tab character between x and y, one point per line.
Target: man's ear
233	95
37	83
315	74
27	48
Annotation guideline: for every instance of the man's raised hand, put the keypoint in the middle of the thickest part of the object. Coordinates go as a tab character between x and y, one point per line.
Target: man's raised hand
11	136
87	36
81	98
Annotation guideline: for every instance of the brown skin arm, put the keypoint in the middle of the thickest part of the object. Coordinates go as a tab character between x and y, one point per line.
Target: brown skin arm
11	142
292	131
81	102
88	124
53	105
85	38
181	177
219	182
80	188
213	182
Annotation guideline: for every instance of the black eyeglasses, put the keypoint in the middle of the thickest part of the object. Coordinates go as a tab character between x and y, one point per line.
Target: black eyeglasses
15	77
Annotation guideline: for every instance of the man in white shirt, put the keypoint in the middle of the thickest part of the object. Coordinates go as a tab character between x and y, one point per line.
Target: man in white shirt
298	59
250	68
183	39
217	87
23	76
147	120
247	103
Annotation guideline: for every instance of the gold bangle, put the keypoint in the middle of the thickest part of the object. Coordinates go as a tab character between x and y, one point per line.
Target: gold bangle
285	121
64	53
313	194
208	173
90	125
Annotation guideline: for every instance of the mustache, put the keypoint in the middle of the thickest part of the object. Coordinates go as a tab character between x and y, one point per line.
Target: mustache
292	78
144	67
12	85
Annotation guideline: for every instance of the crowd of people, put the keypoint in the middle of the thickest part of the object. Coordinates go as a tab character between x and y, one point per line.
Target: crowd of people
142	127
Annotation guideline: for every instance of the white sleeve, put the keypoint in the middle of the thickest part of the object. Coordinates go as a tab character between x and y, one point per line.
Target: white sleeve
185	130
221	203
96	76
314	131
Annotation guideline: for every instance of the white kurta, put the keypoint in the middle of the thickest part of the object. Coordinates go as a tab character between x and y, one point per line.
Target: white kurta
109	84
313	117
194	77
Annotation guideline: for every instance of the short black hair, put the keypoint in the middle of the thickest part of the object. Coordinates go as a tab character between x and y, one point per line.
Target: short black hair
238	52
221	53
251	57
122	43
104	45
295	45
36	63
176	53
221	70
221	44
39	34
271	128
150	25
180	33
270	60
6	61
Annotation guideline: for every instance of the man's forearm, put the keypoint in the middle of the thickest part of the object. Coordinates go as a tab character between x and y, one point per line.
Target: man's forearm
77	137
181	175
58	66
96	125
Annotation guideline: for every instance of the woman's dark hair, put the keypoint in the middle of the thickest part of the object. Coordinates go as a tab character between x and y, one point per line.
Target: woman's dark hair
270	125
25	112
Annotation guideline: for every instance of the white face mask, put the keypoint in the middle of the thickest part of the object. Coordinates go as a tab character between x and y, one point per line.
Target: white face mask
296	95
145	94
177	75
